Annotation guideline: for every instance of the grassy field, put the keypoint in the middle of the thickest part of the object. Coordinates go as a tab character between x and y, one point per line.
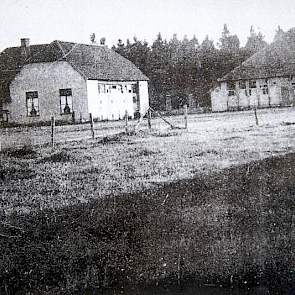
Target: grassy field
213	204
38	177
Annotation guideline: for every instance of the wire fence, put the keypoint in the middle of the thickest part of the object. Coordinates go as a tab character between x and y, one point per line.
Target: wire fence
17	137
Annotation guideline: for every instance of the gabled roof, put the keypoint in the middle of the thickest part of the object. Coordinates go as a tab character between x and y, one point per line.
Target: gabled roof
275	60
92	61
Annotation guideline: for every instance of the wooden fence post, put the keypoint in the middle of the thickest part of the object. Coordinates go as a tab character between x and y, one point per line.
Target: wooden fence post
256	118
73	117
126	122
91	125
52	130
149	119
185	116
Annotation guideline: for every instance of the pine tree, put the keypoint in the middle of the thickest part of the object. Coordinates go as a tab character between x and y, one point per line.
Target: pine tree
228	42
255	41
279	34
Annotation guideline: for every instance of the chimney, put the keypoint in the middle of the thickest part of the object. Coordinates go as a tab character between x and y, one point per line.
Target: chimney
25	47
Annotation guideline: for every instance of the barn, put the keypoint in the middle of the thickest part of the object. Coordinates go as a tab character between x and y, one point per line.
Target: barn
266	79
69	81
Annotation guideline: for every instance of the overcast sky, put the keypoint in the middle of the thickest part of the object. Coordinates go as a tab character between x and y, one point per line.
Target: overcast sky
74	20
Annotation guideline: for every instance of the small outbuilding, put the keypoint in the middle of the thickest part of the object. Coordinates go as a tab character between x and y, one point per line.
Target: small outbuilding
266	79
69	81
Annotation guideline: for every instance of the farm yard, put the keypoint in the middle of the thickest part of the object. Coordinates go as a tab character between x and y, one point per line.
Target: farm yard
212	205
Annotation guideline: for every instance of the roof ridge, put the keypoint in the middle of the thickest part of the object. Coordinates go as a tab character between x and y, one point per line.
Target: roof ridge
81	43
279	51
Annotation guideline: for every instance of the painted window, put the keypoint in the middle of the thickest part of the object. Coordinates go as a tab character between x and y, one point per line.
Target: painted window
32	103
231	88
242	84
101	88
264	89
66	101
252	84
135	88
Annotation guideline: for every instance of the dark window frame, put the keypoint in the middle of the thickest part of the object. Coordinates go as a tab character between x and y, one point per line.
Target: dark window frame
252	84
264	89
67	93
31	98
242	84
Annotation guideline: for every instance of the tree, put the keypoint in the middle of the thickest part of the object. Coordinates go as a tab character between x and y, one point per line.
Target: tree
279	34
183	68
255	41
228	42
207	45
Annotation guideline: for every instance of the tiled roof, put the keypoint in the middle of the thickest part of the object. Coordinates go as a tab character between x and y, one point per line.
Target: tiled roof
92	61
275	60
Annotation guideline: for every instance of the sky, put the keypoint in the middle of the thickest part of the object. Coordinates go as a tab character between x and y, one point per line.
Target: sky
74	20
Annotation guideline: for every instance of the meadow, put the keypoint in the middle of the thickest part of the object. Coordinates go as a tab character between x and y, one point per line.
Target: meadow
210	205
79	169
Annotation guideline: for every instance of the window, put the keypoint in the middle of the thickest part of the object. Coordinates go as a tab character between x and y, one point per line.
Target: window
134	88
101	88
231	93
32	103
66	101
231	88
242	84
252	84
264	89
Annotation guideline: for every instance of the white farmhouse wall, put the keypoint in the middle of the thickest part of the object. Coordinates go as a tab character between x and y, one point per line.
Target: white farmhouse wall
47	79
275	91
219	98
144	97
244	101
110	100
92	97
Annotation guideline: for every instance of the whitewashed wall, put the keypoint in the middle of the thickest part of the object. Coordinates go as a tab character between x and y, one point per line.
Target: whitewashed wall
219	98
47	79
222	102
275	91
108	103
144	97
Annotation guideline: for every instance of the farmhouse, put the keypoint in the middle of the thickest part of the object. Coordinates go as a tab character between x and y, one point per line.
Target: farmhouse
267	79
69	81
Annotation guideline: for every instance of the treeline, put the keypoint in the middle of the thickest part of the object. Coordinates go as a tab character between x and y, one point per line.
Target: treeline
183	71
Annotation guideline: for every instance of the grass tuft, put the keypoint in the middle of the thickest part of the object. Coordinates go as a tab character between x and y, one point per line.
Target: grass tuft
26	152
58	157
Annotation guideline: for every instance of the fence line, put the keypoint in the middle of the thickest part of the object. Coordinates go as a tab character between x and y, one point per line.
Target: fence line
43	135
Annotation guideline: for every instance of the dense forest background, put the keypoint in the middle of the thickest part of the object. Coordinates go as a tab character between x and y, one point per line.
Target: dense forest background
185	70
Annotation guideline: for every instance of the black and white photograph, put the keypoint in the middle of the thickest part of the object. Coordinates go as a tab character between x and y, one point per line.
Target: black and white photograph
147	147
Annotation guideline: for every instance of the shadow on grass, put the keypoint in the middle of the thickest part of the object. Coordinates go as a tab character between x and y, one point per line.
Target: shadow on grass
230	228
25	152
